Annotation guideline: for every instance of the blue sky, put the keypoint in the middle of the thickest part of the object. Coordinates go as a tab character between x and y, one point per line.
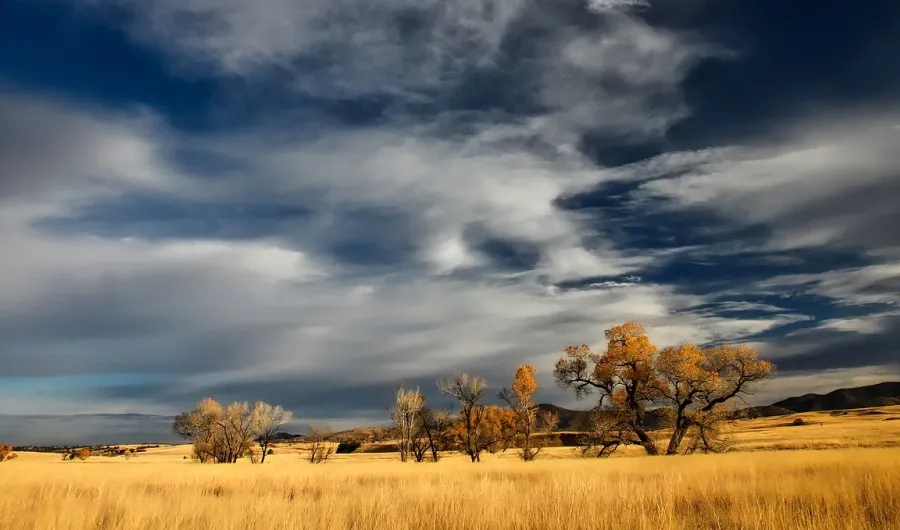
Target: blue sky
310	202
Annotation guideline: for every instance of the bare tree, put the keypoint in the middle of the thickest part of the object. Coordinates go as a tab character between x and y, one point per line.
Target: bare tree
318	446
405	414
605	433
432	434
469	391
269	420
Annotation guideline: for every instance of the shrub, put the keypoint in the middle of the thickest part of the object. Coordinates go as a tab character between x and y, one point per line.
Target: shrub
12	456
270	452
5	450
798	421
570	439
83	454
348	447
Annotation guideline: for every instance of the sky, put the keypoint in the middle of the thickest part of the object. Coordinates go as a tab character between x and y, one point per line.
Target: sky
309	202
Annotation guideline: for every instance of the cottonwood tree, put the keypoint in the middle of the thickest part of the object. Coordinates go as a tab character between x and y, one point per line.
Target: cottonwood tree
690	385
469	391
528	419
498	430
223	434
406	417
269	419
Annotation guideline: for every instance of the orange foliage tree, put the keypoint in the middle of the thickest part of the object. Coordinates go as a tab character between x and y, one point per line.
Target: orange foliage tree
524	410
490	429
480	427
498	430
688	384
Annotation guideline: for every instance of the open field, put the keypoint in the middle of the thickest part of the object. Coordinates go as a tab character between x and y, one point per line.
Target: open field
802	489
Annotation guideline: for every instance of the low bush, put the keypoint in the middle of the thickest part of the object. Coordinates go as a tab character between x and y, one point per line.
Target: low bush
348	447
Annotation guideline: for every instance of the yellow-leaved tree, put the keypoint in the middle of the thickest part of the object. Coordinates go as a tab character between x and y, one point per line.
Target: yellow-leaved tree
528	420
686	384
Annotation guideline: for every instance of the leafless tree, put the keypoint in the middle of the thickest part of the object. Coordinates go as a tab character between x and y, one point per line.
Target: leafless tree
605	433
469	391
318	447
405	415
433	435
269	419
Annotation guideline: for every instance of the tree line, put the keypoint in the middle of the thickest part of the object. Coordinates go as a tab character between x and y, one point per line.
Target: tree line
686	388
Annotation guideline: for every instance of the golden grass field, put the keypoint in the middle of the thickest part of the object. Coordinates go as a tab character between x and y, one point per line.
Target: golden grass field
760	486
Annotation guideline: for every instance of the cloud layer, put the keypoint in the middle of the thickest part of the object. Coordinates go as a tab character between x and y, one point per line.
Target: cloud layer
392	192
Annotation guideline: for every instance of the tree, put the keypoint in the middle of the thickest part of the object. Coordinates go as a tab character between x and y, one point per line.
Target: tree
468	391
690	385
317	444
269	420
202	426
498	430
434	434
406	416
528	420
225	434
5	451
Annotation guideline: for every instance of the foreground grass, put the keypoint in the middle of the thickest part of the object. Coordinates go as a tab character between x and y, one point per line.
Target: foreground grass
839	489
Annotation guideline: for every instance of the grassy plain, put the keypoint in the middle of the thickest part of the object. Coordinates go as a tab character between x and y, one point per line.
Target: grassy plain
761	486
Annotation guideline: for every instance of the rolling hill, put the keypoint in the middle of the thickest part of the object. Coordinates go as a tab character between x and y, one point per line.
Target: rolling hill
879	395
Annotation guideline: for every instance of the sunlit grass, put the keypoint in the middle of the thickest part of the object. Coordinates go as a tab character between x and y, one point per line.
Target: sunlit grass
842	489
800	489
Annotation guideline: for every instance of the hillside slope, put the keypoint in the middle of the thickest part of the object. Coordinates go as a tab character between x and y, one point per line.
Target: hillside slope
879	395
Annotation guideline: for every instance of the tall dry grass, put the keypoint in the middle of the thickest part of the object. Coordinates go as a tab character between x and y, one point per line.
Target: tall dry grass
839	490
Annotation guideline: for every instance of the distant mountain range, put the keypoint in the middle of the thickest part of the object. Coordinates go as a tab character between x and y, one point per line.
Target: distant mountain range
878	395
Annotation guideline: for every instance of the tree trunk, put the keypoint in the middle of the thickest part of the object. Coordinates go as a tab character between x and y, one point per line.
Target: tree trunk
646	442
681	428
